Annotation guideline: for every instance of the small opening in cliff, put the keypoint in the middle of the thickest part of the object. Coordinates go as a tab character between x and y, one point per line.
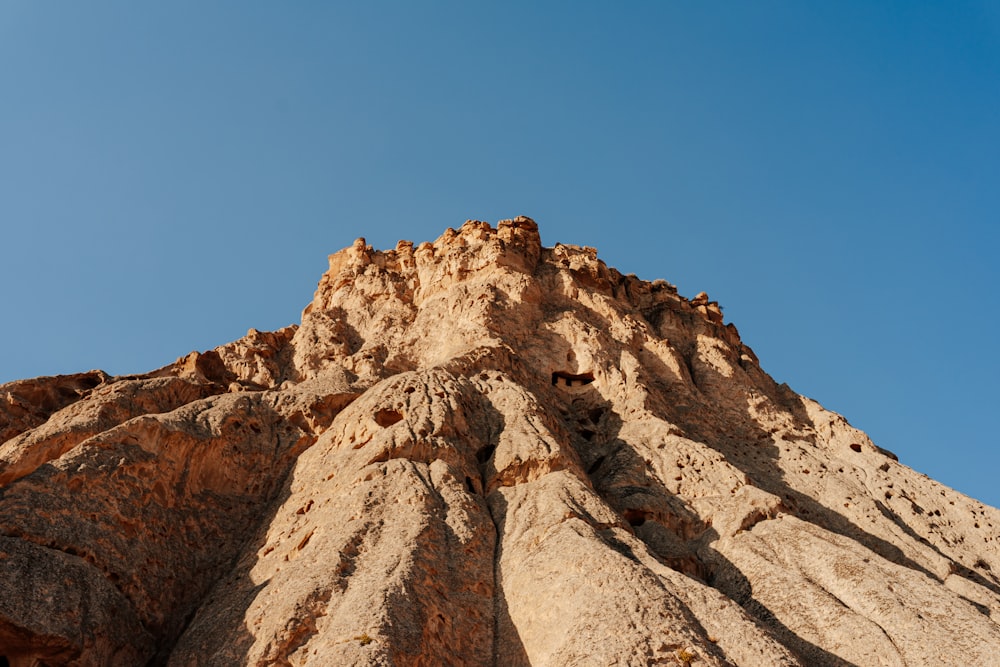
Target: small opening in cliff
635	517
471	486
88	382
484	453
856	447
387	417
571	379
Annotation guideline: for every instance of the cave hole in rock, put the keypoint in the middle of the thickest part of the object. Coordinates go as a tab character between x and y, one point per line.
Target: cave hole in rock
484	453
635	517
386	417
572	379
4	662
88	382
856	447
470	485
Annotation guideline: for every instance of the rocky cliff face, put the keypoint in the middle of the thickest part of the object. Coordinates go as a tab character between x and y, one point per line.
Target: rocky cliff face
476	451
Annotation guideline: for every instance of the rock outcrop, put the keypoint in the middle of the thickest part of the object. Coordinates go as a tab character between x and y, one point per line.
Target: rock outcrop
477	451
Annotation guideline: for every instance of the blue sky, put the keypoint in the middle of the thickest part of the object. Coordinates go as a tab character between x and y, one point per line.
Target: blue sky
172	174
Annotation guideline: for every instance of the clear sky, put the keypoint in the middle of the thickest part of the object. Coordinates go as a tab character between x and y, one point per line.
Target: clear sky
172	174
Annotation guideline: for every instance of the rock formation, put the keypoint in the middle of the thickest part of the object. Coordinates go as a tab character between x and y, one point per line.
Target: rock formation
477	451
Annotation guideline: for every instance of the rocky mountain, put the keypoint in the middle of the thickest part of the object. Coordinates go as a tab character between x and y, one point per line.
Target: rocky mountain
476	451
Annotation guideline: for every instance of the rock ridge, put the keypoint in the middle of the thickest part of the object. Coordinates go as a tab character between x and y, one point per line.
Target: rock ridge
478	451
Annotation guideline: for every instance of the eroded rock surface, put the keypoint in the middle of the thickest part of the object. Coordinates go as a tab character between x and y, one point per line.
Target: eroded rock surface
476	451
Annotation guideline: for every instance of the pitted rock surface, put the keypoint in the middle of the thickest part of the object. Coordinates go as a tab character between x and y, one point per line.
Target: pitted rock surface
476	451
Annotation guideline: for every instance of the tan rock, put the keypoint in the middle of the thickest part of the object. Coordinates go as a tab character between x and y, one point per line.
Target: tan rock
25	404
476	451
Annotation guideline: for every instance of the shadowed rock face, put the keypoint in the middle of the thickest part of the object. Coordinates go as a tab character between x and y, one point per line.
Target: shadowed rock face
476	451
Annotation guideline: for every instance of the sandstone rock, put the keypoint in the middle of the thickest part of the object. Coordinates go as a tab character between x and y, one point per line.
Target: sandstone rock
476	451
25	404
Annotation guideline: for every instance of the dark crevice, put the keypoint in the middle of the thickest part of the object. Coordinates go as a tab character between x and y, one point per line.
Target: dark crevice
595	465
484	453
572	379
691	566
687	355
634	517
497	590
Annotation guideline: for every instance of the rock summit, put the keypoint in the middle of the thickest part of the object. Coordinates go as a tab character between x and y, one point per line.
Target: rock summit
476	451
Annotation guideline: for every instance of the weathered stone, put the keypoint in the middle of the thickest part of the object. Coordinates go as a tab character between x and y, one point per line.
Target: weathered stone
476	451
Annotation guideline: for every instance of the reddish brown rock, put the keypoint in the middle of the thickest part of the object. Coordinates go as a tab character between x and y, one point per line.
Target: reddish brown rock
25	404
476	451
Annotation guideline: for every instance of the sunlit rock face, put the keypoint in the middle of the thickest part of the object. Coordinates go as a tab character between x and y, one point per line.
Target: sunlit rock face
476	451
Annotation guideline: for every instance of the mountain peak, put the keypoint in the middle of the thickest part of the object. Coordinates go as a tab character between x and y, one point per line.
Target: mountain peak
483	451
